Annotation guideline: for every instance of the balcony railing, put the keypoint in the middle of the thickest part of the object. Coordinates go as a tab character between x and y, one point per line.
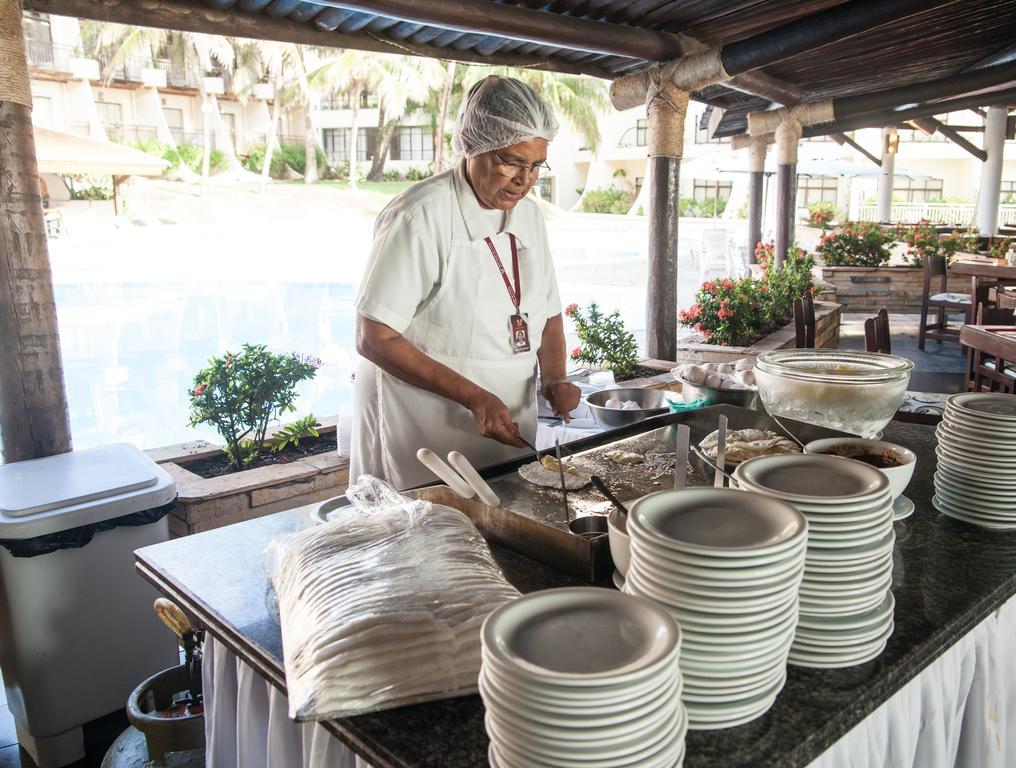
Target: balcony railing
131	134
46	55
950	214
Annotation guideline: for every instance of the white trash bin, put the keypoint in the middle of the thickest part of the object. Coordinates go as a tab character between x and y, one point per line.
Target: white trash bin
77	629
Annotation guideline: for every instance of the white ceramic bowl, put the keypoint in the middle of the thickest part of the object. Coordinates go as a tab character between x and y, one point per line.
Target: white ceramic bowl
851	447
620	544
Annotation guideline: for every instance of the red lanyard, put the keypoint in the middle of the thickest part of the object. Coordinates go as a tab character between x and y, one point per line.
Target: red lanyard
516	294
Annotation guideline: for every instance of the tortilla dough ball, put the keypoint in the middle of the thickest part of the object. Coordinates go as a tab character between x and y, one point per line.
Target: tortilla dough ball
744	364
725	368
714	380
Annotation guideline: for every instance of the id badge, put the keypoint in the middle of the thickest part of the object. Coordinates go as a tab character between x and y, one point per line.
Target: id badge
518	326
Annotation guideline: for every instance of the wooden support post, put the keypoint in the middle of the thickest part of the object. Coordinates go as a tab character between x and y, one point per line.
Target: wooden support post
786	188
33	403
887	176
756	187
991	170
666	145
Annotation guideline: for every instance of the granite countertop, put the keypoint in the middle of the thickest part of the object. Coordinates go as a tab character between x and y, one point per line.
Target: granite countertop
948	576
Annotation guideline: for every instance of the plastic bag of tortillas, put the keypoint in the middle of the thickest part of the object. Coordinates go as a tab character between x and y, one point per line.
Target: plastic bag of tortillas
382	606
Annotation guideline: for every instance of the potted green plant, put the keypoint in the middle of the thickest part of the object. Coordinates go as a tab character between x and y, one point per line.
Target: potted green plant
603	340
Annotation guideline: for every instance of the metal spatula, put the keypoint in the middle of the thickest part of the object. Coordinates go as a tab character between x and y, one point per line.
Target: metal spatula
721	454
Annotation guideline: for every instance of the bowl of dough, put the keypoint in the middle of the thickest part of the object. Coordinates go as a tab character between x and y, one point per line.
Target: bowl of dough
731	383
626	405
855	392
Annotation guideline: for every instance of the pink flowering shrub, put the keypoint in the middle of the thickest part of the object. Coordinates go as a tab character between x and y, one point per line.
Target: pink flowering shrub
603	340
239	394
737	313
856	244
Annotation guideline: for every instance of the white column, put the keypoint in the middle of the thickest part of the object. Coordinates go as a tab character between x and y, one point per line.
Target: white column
991	171
885	178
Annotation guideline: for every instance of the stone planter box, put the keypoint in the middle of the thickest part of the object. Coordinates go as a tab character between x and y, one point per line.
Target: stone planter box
827	335
206	503
866	289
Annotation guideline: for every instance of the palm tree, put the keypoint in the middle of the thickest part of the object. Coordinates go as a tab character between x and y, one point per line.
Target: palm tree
441	119
580	100
351	72
402	84
195	51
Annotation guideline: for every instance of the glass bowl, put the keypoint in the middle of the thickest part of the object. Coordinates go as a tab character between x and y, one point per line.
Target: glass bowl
855	392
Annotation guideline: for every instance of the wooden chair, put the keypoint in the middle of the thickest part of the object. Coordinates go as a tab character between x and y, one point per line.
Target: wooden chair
985	371
941	301
876	333
804	322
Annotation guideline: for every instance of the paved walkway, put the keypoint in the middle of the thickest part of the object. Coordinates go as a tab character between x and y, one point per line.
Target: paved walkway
939	368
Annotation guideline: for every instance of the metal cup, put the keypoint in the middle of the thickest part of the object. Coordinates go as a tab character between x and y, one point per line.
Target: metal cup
589	526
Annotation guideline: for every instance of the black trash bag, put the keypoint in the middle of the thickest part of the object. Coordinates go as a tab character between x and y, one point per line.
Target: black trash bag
75	538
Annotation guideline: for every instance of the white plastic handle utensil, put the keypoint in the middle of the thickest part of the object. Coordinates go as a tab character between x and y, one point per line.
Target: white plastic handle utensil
448	476
682	440
462	465
721	454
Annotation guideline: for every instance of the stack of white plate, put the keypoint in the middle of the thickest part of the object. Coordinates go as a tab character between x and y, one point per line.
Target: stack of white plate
846	612
976	477
582	677
727	565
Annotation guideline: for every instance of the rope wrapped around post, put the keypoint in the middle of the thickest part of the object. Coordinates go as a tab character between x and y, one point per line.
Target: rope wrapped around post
667	109
787	125
14	85
687	73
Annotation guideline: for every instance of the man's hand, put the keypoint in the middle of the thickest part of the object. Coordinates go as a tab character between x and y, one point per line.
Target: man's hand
493	419
563	397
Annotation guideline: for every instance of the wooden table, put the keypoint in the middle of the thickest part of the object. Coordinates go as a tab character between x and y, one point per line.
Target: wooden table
998	341
982	271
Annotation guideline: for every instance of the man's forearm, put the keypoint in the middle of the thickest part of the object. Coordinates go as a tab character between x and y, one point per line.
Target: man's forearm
551	353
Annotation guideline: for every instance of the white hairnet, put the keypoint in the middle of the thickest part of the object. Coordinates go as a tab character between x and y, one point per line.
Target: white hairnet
499	111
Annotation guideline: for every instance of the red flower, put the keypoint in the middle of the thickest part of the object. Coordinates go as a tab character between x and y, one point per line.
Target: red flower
576	353
317	362
728	284
199	390
571	309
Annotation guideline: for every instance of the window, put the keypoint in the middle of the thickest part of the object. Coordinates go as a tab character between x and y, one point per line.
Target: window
413	143
918	190
817	189
1008	192
705	189
174	121
336	143
639	180
38	39
546	186
344	101
110	113
637	136
42	111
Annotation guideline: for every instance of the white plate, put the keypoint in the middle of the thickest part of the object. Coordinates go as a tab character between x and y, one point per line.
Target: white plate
841	636
969	517
818	593
702	578
720	592
590	699
716	522
715	601
570	726
812	478
822	512
720	569
847	658
1004	506
852	555
992	406
902	508
618	579
876	615
846	585
702	716
667	749
710	611
964	441
966	487
580	636
999	460
850	540
825	570
852	520
970	474
737	690
829	608
989	428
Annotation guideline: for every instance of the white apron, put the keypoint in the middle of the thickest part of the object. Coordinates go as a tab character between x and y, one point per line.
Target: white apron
465	326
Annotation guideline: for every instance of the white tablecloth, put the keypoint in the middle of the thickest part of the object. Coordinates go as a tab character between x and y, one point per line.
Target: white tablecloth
960	712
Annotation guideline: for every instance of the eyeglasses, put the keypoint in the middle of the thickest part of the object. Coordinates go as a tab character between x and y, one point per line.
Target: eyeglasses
512	168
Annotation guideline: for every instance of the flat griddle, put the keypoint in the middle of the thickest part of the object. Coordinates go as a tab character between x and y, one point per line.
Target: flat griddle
531	519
